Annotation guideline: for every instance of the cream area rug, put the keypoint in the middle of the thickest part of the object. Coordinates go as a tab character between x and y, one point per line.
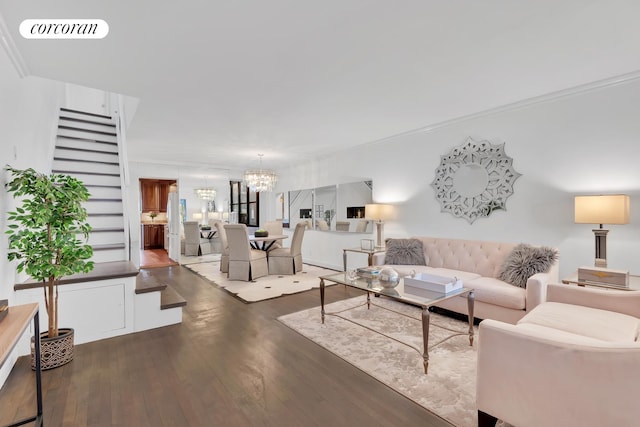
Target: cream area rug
367	340
266	287
186	260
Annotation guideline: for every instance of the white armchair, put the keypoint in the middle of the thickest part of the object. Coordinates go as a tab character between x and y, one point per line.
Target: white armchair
573	361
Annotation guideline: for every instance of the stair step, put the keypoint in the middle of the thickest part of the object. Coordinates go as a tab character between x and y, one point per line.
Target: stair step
107	230
100	162
91	131
147	283
107	222
87	120
109	247
69	141
169	298
93	178
70	153
110	255
87	167
69	131
93	207
84	113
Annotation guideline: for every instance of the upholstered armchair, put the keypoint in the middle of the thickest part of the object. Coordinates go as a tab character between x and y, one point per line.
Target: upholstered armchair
361	226
224	250
194	244
245	263
288	260
573	360
322	225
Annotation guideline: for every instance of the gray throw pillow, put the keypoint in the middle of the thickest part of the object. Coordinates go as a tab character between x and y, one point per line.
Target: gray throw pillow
404	252
524	261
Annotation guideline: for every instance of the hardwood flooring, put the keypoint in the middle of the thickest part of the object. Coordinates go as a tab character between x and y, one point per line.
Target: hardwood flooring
152	258
228	364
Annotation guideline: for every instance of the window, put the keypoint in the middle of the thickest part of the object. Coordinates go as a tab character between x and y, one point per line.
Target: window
246	203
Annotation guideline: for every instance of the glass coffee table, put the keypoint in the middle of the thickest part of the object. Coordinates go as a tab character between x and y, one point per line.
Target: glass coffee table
425	301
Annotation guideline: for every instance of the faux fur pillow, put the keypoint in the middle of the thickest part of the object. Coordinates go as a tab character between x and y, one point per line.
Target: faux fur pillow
524	261
404	252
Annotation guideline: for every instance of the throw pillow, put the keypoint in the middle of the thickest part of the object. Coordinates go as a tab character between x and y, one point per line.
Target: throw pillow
404	252
524	261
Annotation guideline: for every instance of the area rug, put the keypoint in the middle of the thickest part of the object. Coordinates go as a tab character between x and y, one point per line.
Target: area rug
266	287
186	260
448	390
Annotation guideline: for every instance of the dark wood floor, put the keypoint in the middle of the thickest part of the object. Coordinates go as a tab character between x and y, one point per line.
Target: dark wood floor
228	364
152	258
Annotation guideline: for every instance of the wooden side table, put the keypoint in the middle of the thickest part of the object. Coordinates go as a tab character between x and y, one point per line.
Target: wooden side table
11	329
634	283
369	252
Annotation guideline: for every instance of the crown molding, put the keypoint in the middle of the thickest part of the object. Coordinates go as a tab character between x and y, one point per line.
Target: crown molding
12	50
553	96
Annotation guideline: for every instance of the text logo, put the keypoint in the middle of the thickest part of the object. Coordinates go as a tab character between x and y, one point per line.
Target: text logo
64	29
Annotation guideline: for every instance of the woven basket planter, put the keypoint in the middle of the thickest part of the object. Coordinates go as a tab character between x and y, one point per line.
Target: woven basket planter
54	352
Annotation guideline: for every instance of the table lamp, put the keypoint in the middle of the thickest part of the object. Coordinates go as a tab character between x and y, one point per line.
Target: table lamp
602	209
379	213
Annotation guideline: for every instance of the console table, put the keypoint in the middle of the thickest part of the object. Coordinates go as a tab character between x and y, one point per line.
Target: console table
634	283
11	329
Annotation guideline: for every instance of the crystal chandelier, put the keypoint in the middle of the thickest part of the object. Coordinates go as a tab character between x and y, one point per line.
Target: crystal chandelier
260	179
206	193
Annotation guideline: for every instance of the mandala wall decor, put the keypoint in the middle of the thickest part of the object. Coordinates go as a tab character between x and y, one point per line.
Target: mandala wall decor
474	179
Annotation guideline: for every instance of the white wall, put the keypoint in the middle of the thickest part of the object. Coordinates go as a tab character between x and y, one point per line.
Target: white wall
28	117
585	143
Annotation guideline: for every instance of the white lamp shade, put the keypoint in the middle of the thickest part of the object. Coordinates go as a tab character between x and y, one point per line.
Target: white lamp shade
197	215
603	209
378	212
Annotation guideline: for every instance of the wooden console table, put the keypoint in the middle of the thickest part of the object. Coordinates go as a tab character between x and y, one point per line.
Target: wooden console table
11	329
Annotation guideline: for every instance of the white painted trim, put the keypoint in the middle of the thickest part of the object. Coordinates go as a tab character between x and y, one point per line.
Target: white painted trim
553	96
12	50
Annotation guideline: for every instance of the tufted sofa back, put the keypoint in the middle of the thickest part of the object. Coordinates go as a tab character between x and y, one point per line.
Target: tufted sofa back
477	256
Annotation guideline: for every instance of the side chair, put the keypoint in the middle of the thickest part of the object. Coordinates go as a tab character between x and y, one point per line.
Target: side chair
288	260
245	263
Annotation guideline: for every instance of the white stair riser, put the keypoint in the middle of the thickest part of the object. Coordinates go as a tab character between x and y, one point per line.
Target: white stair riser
106	221
106	238
105	192
113	181
86	135
86	117
87	126
103	207
109	255
74	143
86	155
79	167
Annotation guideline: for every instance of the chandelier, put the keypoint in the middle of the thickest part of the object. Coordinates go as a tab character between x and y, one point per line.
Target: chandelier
260	179
206	193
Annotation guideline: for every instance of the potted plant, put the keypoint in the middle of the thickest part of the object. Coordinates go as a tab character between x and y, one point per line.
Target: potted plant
43	237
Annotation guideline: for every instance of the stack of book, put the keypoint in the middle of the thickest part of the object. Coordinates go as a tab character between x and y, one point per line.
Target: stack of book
368	272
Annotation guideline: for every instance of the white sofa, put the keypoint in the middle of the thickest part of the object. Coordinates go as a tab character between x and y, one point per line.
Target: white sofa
477	264
572	361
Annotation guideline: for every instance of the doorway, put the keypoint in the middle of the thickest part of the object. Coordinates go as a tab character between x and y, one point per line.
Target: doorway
154	222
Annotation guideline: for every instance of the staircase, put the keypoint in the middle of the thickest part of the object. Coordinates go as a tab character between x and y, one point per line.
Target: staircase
87	149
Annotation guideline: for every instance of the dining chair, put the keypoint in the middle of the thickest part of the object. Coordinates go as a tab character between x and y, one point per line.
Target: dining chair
342	225
274	227
288	260
224	243
361	226
194	243
245	263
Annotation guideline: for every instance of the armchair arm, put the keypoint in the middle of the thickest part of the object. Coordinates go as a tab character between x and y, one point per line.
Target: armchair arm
537	286
378	258
621	301
528	378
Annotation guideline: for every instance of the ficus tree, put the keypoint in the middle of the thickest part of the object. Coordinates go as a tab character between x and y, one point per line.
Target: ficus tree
48	231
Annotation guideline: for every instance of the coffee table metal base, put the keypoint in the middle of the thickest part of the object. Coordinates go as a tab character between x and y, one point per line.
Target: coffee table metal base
425	322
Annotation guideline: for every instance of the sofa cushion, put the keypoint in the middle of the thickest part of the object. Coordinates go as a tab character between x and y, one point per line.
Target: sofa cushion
404	252
524	261
586	321
496	292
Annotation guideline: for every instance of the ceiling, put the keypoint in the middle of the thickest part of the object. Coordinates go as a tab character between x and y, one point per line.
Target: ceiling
221	81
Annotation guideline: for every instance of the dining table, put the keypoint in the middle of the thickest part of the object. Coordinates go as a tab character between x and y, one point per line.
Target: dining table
265	243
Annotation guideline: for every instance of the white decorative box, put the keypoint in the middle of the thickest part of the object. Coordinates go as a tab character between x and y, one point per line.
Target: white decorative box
430	282
604	275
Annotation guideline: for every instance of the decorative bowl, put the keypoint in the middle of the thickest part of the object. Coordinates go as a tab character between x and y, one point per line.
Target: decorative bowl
388	278
261	233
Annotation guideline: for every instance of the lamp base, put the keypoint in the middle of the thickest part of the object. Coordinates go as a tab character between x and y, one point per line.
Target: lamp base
380	232
601	247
